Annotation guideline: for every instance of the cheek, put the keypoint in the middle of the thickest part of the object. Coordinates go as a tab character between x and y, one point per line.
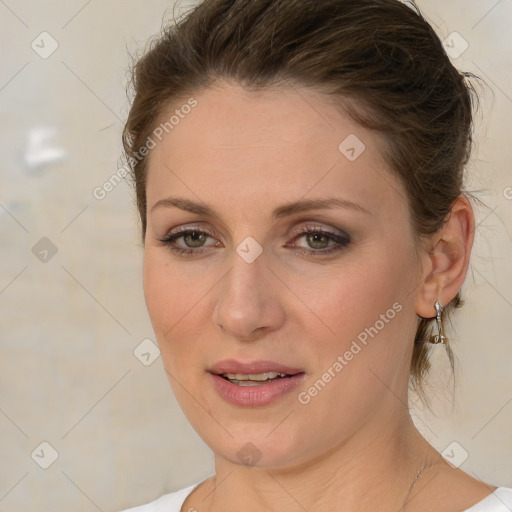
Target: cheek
159	295
170	289
352	296
364	307
365	362
177	302
165	300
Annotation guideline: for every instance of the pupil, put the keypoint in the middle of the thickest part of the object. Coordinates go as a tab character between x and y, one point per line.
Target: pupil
194	239
317	240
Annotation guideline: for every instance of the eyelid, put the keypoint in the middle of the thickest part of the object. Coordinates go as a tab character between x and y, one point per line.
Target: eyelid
340	240
187	228
300	230
304	229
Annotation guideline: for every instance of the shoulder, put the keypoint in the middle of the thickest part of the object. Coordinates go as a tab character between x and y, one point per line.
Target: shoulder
498	501
167	503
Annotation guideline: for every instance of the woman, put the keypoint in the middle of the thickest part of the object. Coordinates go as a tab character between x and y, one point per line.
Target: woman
298	169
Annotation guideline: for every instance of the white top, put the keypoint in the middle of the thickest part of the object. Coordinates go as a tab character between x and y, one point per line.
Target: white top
499	501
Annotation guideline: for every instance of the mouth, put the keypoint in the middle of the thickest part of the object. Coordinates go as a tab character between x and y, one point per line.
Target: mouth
253	371
255	379
255	383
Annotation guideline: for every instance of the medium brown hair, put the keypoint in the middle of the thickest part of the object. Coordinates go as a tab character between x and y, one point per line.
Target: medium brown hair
379	59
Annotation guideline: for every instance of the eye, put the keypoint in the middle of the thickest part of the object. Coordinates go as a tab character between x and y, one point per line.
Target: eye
320	241
191	239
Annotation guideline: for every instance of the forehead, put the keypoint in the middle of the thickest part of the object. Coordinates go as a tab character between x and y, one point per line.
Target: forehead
254	146
228	116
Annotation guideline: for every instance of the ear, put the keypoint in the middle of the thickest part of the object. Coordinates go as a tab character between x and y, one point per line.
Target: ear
447	262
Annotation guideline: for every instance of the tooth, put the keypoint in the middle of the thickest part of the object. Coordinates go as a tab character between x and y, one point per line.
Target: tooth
263	376
247	383
253	376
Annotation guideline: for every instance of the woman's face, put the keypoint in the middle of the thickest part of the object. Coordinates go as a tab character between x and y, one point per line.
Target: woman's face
298	258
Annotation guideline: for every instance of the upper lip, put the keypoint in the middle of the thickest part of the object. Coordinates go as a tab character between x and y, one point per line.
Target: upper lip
251	367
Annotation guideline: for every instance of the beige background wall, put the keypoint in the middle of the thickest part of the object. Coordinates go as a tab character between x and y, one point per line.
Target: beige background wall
70	321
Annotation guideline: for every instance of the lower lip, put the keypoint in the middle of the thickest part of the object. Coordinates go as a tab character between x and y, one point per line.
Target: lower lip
255	396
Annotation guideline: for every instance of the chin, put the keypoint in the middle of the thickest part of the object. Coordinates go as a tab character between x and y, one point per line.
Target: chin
255	448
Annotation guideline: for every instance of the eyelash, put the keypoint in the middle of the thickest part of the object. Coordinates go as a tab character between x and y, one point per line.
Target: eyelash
341	241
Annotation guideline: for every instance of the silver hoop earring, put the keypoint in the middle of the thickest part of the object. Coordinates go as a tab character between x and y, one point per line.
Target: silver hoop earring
439	337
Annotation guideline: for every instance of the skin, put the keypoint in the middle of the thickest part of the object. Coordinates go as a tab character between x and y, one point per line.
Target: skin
353	446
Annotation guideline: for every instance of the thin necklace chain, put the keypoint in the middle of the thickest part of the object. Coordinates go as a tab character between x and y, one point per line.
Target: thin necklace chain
420	471
418	474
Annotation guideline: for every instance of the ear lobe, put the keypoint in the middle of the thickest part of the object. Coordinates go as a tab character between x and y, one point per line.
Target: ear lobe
448	260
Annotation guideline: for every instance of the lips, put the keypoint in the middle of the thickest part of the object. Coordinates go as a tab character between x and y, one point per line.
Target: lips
256	383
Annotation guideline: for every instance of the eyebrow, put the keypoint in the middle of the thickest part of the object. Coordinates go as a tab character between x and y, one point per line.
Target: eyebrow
303	205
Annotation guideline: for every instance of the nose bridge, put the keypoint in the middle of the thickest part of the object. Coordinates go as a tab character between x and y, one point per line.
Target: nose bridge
248	266
244	285
245	302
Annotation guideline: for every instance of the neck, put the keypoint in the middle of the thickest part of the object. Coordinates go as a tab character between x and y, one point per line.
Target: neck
375	469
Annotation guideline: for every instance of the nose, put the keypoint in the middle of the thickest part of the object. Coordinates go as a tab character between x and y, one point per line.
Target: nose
248	305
